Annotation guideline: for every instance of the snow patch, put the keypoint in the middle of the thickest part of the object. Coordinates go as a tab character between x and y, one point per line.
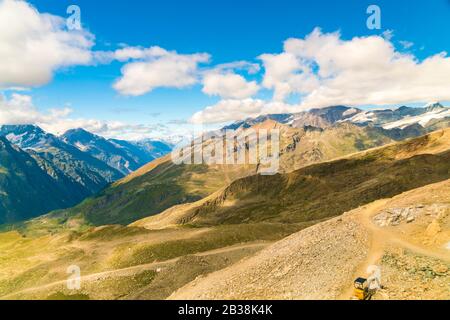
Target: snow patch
349	112
422	119
81	146
363	117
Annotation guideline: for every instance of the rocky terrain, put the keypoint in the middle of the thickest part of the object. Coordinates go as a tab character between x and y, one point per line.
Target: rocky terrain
408	276
396	216
321	262
313	264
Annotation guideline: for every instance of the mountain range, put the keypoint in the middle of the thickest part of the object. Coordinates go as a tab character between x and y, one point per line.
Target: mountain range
427	117
161	184
134	180
121	155
77	164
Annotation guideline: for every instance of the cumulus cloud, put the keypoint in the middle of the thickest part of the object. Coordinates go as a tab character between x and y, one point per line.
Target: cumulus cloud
227	110
155	68
285	75
129	53
19	109
229	85
326	70
234	109
150	68
321	69
35	45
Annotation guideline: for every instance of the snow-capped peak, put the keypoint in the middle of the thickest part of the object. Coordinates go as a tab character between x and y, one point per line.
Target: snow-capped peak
433	112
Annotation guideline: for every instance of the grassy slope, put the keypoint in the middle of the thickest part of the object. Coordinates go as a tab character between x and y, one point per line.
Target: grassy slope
327	189
32	262
26	190
161	184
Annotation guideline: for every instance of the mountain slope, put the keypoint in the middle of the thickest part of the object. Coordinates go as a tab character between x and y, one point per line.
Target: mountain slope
26	190
162	184
89	173
122	155
322	190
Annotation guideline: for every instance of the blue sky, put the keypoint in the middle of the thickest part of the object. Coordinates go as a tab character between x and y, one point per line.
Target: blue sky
228	31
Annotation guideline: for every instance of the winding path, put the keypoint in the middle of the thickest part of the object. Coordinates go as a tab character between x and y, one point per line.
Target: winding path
135	269
380	238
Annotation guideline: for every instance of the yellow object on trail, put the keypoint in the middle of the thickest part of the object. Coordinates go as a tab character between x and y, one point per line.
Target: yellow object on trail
361	291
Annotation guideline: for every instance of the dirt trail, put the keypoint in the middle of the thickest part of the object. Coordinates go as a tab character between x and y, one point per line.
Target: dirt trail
322	261
380	238
377	244
136	269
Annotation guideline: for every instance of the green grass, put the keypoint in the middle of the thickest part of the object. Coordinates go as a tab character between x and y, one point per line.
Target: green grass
165	186
222	236
108	233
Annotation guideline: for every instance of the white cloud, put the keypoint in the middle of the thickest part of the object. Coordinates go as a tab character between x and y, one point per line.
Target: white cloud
35	45
108	129
326	70
130	53
229	85
157	67
285	74
251	68
19	109
232	109
127	53
227	110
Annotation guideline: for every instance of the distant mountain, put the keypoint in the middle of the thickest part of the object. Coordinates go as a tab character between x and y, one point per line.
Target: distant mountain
27	189
401	117
78	164
245	124
246	216
320	118
28	136
155	148
54	154
122	155
307	138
